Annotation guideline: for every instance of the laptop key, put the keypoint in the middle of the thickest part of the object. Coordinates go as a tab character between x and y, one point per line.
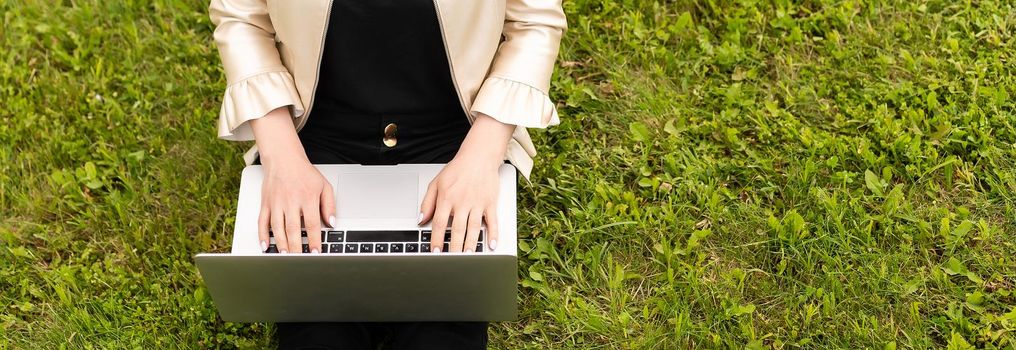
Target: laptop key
374	236
381	248
351	248
425	236
479	247
303	233
335	236
324	248
425	247
411	248
445	248
366	248
306	248
335	248
396	248
448	236
272	249
481	236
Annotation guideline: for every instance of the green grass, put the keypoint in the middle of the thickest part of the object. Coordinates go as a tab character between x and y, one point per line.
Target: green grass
727	174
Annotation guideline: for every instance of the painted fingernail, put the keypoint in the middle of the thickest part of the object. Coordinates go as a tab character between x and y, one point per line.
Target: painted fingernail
469	250
315	251
436	250
493	244
284	251
264	246
331	221
419	219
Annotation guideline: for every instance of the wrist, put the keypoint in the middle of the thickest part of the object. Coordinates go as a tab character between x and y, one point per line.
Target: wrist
482	158
486	143
277	140
282	158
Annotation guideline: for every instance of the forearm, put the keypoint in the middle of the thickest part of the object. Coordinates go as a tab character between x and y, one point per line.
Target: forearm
276	138
486	142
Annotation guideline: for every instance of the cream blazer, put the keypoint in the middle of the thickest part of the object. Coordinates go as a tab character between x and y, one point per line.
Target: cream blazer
501	54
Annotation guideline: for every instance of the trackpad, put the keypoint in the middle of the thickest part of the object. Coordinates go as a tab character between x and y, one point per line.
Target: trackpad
377	195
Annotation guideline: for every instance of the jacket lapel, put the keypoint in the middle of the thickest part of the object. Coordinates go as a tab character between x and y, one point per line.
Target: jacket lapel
302	24
470	51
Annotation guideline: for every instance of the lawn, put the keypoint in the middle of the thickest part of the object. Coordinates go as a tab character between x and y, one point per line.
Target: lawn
728	174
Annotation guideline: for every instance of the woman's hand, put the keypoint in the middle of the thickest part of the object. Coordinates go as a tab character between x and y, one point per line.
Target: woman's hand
290	191
292	188
465	191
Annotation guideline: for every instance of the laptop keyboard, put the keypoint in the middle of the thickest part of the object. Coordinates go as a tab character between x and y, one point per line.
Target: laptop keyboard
375	242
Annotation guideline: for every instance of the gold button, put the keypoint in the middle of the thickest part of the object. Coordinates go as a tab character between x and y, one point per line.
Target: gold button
389	138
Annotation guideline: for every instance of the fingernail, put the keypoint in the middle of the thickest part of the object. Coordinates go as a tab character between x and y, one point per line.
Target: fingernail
264	246
436	250
493	244
284	251
331	221
469	250
315	251
419	219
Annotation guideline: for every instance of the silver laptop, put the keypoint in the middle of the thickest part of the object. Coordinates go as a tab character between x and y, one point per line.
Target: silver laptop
376	265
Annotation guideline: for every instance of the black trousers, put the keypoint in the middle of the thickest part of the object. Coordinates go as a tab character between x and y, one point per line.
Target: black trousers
359	139
385	335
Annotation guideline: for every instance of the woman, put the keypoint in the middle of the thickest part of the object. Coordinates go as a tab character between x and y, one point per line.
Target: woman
410	81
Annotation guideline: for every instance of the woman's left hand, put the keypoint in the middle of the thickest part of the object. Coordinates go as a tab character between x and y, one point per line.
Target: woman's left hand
465	191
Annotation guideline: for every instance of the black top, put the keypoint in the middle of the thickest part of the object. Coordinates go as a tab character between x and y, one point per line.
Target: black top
383	62
385	56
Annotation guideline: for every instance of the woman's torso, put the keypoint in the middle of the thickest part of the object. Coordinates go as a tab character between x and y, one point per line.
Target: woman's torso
385	93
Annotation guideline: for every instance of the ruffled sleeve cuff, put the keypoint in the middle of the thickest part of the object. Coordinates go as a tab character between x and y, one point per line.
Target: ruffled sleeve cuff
515	103
253	98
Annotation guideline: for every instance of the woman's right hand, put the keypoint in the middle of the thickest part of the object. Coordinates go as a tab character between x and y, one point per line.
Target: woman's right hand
292	188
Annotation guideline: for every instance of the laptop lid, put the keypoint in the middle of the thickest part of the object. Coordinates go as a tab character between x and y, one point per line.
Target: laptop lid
362	288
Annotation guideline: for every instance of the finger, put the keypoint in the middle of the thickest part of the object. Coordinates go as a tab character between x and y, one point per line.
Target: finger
328	204
459	220
312	220
472	230
490	219
427	206
263	218
278	220
438	227
293	230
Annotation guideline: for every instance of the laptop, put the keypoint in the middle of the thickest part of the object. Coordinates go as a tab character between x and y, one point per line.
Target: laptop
376	266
